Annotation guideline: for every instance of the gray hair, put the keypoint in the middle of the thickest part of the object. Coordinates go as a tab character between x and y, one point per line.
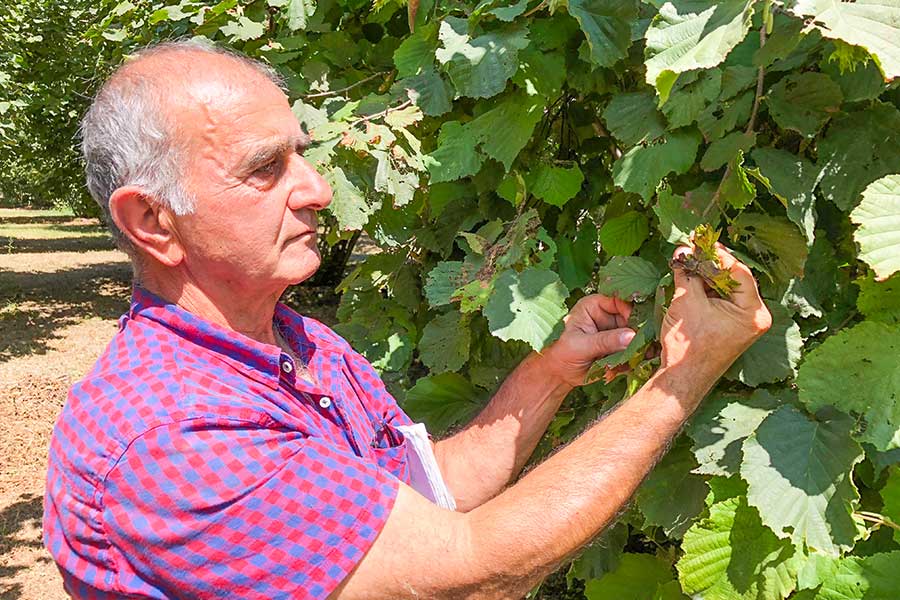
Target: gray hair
127	140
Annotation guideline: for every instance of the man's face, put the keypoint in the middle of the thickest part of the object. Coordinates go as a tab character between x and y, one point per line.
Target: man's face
254	226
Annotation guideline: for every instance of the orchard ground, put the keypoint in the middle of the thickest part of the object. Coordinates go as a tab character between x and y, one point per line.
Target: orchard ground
62	288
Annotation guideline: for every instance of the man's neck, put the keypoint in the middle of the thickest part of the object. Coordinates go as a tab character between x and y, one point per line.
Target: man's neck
249	314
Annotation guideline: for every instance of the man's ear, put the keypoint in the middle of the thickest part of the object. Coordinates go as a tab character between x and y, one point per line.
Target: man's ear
148	225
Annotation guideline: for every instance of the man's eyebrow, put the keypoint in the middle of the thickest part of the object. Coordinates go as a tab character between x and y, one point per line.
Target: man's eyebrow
269	151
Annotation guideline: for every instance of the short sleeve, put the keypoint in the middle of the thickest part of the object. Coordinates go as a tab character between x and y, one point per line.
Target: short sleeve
211	508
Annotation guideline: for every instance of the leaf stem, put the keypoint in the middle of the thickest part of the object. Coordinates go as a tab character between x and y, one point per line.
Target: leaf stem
876	518
381	114
536	8
345	89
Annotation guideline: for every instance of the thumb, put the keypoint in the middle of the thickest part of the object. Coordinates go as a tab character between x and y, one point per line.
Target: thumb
687	285
612	340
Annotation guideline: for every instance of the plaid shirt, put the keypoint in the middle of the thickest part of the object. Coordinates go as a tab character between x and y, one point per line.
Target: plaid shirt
193	462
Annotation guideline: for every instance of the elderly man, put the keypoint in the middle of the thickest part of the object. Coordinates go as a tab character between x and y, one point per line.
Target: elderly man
225	446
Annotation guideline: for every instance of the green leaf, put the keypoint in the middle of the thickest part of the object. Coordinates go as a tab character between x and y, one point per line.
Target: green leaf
603	555
868	578
415	54
878	234
455	156
299	13
804	101
623	235
541	73
348	204
243	29
509	13
398	185
442	281
628	277
527	306
775	241
429	91
642	168
736	188
480	67
688	34
577	257
442	401
515	117
890	495
880	301
774	356
556	185
720	426
445	343
792	179
672	495
731	555
679	215
607	26
724	150
857	371
693	92
857	149
632	118
637	577
798	477
871	24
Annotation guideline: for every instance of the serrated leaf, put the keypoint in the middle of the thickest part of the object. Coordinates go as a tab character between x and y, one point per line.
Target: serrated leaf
623	235
299	13
804	101
455	155
720	426
442	281
679	215
672	495
637	577
878	234
863	578
793	179
880	301
348	204
688	35
731	555
541	73
775	241
870	24
556	185
445	343
441	401
628	277
527	306
774	356
721	117
577	257
857	371
243	29
607	26
632	118
480	67
415	54
398	185
724	150
602	556
691	95
736	188
515	117
857	149
798	476
428	91
509	13
642	168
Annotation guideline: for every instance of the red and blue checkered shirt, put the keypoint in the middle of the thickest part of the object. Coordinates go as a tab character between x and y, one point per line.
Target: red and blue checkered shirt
193	462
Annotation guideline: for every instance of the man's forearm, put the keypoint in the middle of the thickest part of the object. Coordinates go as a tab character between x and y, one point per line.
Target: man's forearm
567	500
481	459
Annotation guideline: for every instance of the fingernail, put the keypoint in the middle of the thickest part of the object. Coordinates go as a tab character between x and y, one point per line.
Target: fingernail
626	336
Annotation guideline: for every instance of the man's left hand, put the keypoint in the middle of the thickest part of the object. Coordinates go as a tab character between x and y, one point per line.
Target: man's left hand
594	328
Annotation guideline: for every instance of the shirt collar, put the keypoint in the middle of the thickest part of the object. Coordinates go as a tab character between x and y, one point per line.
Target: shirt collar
258	360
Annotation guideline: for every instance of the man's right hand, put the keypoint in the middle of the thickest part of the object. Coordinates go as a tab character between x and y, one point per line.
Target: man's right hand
704	333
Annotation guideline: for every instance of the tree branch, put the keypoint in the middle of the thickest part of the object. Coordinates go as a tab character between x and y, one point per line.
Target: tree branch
346	89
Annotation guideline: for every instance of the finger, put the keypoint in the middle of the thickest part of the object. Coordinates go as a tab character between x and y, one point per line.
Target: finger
747	294
685	284
606	312
612	340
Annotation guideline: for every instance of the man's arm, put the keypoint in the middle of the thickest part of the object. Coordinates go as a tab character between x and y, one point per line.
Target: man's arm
479	461
504	547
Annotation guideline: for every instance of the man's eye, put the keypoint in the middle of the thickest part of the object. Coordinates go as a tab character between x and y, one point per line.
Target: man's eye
267	169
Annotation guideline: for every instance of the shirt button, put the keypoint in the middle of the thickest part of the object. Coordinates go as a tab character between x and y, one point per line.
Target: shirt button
287	367
325	402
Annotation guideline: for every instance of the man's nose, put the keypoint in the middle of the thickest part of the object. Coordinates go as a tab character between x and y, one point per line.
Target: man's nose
311	189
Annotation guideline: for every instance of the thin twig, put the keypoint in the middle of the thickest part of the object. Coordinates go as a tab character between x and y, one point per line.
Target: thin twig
348	88
536	8
876	518
760	76
383	113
